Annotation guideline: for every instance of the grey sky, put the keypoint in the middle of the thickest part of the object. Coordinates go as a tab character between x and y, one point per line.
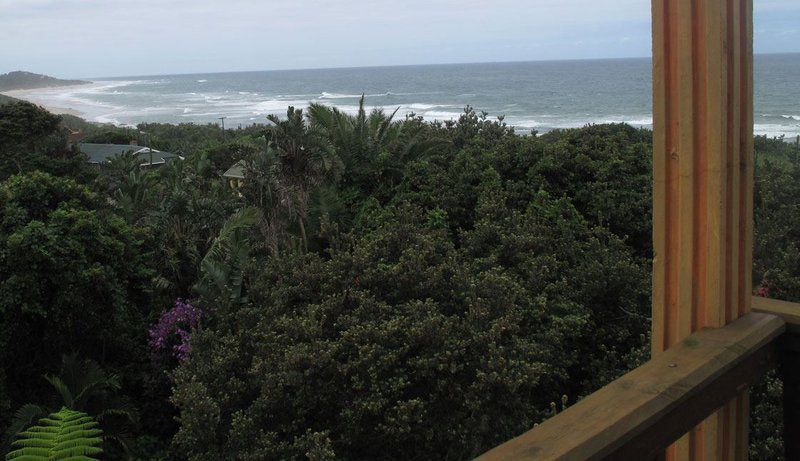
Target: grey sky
96	38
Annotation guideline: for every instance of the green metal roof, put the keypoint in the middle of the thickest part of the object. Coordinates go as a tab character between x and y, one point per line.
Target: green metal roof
236	171
101	153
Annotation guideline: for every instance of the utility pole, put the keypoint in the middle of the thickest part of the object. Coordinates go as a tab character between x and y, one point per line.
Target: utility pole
146	140
223	127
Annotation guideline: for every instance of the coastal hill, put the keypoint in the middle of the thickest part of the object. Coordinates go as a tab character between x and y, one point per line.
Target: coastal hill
21	80
6	99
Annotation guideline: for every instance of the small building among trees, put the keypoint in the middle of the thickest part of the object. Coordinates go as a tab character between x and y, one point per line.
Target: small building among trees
102	153
235	174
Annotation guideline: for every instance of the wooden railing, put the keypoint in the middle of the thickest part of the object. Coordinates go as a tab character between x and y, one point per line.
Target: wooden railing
638	415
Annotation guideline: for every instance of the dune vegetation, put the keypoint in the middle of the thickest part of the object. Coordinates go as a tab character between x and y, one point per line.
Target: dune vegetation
376	288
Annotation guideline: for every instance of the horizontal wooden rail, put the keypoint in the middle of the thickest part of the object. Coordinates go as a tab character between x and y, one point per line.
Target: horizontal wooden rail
638	415
789	369
789	312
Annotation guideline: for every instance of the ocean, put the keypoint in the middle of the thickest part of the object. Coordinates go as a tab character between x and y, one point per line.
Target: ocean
531	95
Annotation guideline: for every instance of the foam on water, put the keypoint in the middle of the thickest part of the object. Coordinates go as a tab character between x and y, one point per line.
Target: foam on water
420	106
639	121
526	123
441	115
326	95
540	96
273	106
776	131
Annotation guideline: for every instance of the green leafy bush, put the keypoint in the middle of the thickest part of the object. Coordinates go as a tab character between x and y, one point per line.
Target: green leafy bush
73	277
398	344
380	288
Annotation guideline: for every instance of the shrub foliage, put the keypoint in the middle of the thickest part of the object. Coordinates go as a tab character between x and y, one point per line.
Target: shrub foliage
380	287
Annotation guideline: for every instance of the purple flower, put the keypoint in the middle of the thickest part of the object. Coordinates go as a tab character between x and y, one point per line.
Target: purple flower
174	328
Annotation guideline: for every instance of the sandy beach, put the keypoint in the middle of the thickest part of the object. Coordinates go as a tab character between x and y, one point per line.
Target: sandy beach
44	97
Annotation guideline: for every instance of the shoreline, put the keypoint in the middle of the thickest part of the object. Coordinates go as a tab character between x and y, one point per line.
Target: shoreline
22	92
32	95
44	97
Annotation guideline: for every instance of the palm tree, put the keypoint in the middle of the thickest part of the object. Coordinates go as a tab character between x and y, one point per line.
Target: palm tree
130	186
306	154
357	137
375	147
222	268
190	210
299	158
85	387
298	175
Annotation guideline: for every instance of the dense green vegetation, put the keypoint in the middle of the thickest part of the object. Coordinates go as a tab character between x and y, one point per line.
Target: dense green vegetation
379	288
21	80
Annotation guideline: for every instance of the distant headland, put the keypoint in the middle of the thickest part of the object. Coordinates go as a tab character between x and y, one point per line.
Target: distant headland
21	80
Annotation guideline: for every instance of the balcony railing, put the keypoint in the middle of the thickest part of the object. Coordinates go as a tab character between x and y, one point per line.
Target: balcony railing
637	416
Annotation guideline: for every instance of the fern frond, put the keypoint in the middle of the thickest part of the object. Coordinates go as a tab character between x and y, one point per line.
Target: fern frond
64	435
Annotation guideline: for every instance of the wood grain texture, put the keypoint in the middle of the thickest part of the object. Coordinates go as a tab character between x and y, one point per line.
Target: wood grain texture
789	312
639	414
703	188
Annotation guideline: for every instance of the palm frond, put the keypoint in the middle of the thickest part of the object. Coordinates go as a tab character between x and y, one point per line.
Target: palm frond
62	389
223	265
24	417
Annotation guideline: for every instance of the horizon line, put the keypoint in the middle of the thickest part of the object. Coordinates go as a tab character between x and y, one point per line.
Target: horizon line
387	66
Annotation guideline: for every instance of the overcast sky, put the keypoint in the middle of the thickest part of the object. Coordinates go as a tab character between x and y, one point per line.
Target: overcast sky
97	38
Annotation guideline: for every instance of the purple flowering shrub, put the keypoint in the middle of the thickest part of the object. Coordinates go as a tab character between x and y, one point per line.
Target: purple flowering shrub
173	329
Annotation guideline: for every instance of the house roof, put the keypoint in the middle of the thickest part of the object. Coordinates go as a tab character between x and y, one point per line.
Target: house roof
236	171
101	153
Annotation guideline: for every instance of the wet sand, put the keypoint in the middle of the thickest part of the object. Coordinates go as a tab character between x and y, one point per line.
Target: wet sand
39	95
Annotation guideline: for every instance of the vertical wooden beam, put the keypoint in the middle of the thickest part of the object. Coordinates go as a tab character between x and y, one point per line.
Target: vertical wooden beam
703	189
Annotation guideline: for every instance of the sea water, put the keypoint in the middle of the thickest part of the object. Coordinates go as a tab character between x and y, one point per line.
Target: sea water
537	96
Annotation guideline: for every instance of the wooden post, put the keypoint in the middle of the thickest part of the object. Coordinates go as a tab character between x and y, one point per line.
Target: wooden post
703	189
